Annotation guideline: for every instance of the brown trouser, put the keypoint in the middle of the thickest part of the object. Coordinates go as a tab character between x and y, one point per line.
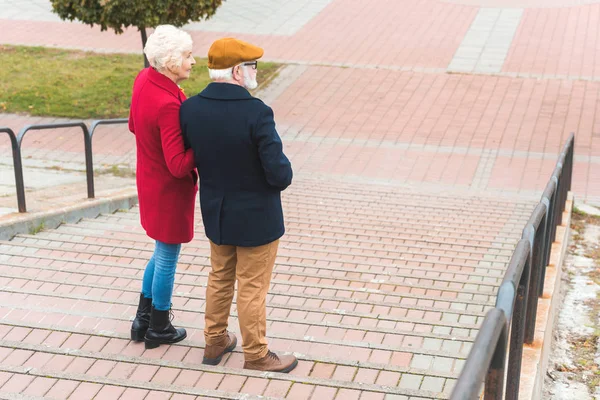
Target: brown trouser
252	267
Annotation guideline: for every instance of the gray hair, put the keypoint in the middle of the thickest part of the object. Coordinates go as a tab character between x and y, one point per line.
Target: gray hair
166	45
221	74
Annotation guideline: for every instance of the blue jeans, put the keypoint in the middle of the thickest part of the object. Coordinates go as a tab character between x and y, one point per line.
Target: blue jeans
160	275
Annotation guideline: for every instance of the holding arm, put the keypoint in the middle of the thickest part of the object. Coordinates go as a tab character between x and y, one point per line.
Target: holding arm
180	161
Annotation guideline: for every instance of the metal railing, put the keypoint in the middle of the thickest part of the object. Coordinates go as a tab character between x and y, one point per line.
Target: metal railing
18	168
517	300
17	144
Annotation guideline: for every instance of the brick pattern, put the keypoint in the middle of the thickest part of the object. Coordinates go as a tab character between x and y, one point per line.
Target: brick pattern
329	37
411	189
557	42
394	116
377	296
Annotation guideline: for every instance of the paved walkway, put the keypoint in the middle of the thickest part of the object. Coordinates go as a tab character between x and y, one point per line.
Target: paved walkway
421	135
372	98
378	290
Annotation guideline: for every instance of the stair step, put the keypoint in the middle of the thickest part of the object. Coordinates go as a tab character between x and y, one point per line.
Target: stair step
445	281
379	291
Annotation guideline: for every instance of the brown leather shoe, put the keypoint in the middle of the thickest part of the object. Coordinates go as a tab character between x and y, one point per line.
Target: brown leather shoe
214	353
273	363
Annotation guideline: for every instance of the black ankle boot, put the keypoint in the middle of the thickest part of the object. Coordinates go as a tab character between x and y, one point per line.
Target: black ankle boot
142	319
161	331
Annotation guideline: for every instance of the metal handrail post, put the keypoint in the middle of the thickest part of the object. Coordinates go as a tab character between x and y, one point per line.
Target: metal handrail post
89	164
534	233
18	169
99	122
482	364
549	200
512	300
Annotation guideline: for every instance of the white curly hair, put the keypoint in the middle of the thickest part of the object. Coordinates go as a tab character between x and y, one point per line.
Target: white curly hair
166	45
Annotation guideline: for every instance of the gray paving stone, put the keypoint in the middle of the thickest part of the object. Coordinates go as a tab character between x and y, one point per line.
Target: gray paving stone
442	364
420	361
395	397
433	384
29	10
458	365
444	330
467	319
432	344
261	17
409	381
451	346
487	42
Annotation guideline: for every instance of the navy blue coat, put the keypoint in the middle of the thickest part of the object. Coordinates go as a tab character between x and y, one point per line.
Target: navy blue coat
240	160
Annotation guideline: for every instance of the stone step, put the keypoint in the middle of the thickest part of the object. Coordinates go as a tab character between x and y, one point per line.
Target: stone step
396	210
369	190
347	324
375	193
152	372
445	281
301	226
380	293
440	297
62	333
293	254
307	340
191	282
325	237
484	226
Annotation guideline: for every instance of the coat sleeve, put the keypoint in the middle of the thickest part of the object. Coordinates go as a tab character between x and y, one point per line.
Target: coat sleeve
277	167
179	160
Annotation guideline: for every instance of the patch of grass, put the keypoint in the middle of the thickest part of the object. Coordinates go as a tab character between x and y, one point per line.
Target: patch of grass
584	347
119	171
581	216
34	230
77	84
577	211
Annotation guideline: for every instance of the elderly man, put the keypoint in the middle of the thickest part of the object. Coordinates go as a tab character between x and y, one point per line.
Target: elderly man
242	171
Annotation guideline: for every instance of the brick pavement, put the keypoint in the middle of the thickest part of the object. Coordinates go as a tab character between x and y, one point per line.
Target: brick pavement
393	115
375	298
413	184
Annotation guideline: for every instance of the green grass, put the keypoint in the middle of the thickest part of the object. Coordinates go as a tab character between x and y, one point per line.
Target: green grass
77	84
34	230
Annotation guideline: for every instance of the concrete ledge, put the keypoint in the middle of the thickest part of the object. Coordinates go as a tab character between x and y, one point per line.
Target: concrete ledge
89	208
535	356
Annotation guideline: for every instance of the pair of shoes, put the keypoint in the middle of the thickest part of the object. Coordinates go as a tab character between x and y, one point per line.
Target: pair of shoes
273	363
214	353
142	319
153	326
161	331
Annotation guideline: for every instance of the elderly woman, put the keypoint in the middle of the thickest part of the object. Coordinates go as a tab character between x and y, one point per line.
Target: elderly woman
166	177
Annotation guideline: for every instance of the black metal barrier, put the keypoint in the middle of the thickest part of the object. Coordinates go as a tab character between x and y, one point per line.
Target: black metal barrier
517	300
17	143
98	122
486	360
18	168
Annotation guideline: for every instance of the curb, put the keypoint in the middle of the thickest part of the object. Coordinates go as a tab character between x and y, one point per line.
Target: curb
89	208
535	356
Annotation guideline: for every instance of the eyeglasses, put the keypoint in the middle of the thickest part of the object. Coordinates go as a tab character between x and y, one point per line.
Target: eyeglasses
253	64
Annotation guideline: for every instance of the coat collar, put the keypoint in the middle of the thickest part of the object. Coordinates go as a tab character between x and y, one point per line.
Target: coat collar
225	91
165	83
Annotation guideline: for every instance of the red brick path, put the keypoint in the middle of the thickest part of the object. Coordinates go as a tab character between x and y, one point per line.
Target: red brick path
412	187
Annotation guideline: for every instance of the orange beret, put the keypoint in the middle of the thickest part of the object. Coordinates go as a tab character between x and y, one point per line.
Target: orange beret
229	52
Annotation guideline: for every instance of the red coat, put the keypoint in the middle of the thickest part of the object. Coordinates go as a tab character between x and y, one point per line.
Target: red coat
166	178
